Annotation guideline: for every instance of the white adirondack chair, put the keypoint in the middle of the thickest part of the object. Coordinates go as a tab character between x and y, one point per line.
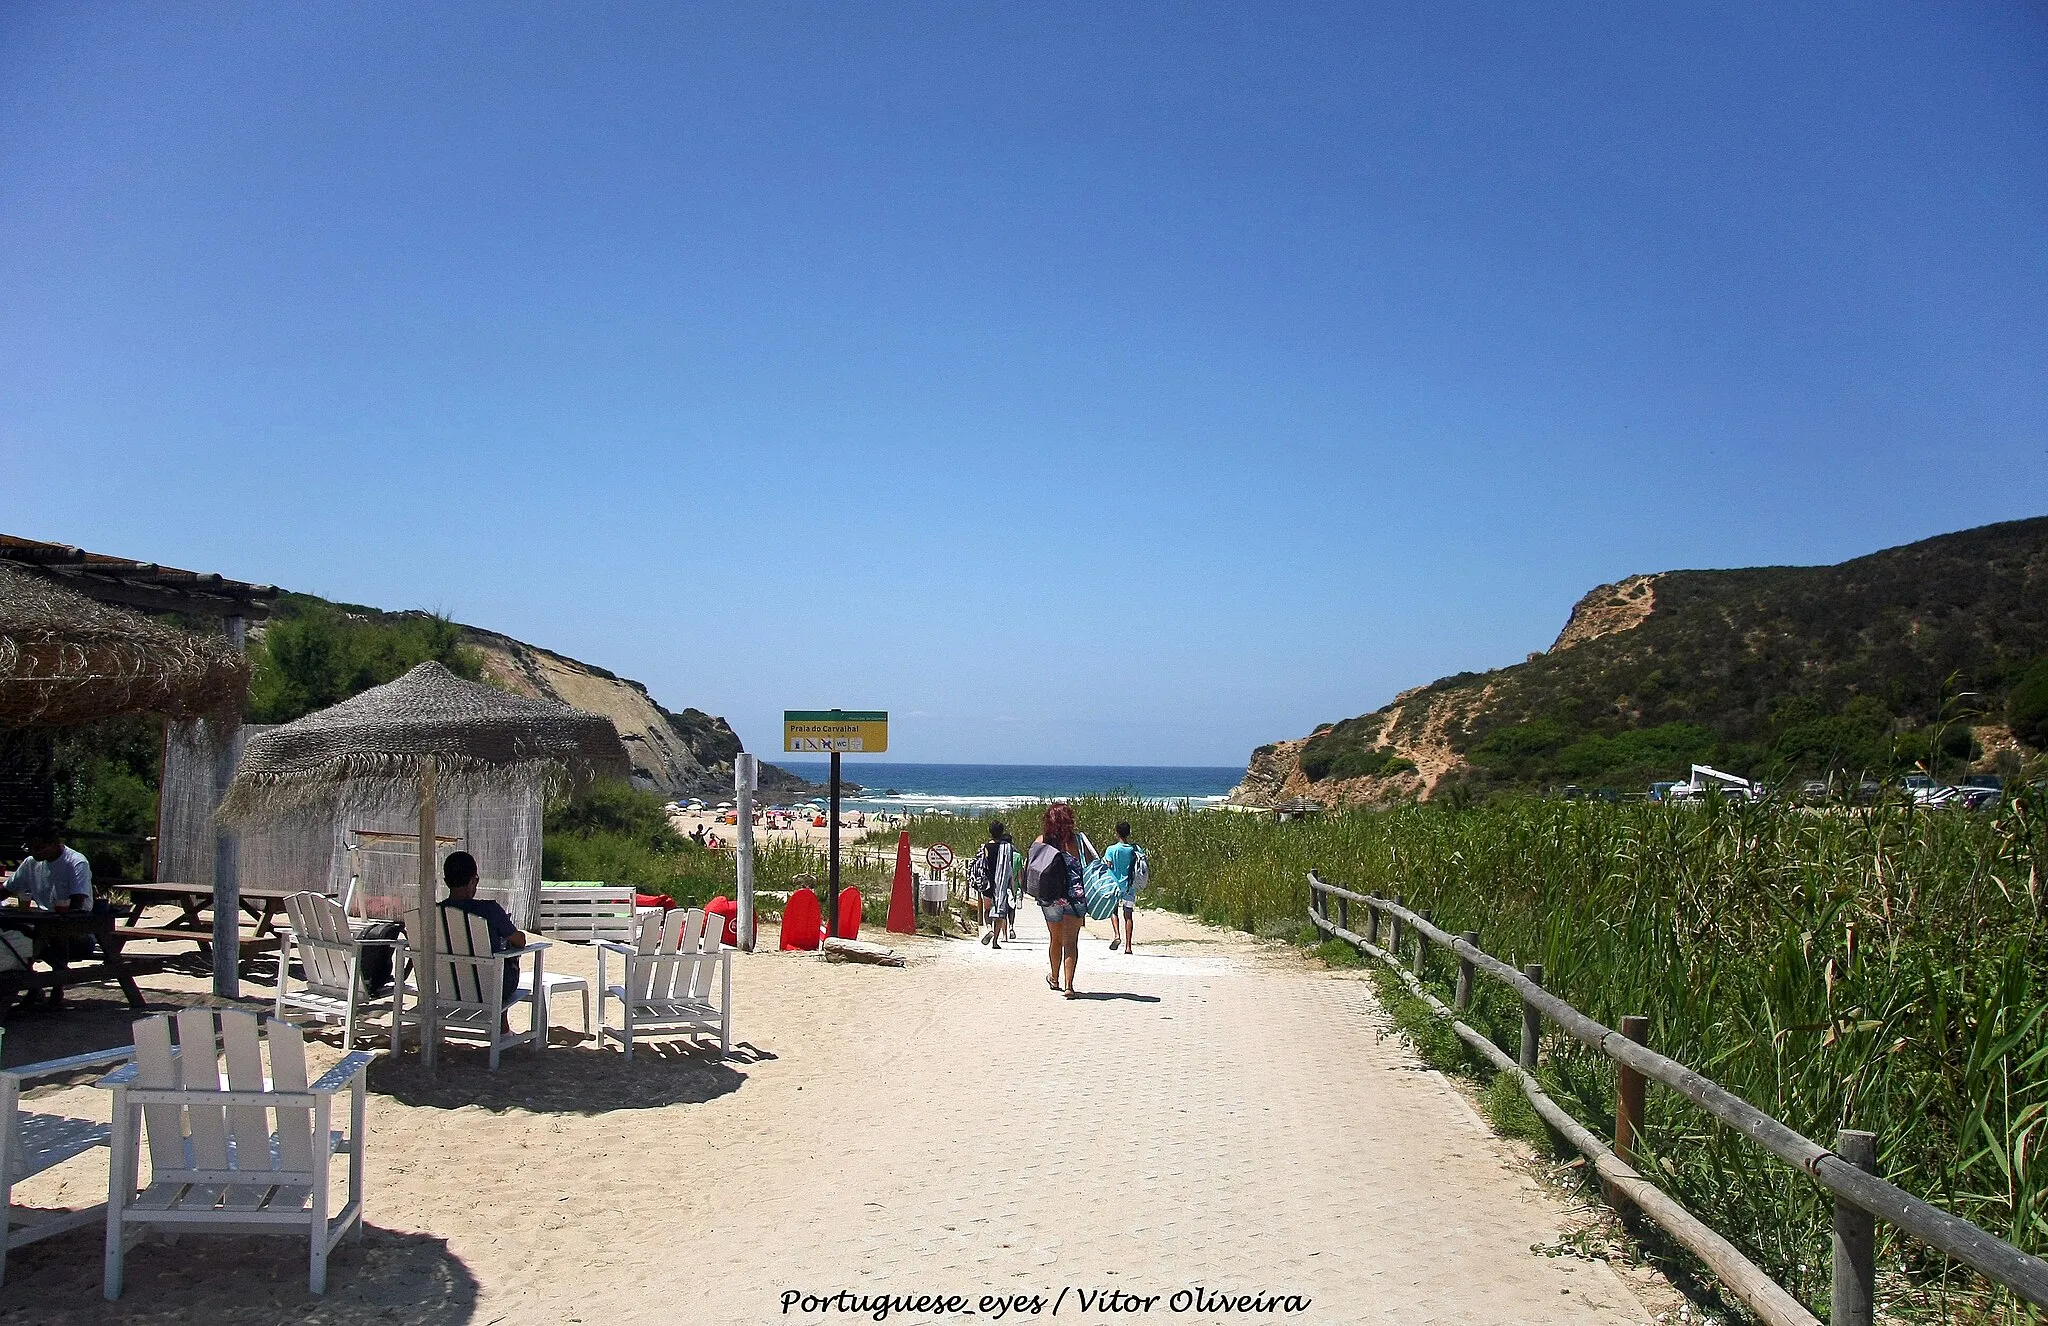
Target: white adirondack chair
32	1142
331	956
217	1161
677	979
470	991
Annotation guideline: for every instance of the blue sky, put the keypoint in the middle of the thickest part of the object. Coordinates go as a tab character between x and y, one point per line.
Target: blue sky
1121	384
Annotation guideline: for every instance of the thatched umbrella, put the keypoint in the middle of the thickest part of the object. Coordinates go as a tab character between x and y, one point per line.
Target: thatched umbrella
426	732
65	660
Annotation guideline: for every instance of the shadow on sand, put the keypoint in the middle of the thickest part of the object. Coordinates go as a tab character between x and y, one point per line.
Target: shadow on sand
1116	994
583	1080
239	1280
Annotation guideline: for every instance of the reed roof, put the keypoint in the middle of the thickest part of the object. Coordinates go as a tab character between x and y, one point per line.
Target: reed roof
66	660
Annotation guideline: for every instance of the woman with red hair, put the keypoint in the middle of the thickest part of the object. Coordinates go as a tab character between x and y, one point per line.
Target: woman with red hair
1066	913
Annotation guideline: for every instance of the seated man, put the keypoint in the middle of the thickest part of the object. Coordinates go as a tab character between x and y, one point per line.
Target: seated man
459	873
52	878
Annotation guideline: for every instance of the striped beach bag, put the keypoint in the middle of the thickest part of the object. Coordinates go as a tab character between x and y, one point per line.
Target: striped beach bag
1103	891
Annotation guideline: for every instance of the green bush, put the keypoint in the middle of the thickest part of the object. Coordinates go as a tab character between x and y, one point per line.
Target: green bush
617	834
313	654
1344	751
2027	707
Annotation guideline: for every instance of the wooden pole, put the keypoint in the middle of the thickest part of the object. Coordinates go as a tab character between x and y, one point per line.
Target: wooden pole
428	941
1855	1297
227	879
745	774
1394	935
1628	1092
1532	1021
1372	922
1421	950
1343	911
1462	998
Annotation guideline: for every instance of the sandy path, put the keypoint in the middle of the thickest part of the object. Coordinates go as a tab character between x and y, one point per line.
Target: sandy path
1217	1113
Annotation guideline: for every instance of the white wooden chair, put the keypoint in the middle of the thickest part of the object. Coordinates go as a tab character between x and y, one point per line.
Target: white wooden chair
331	959
470	992
677	979
217	1161
31	1142
586	912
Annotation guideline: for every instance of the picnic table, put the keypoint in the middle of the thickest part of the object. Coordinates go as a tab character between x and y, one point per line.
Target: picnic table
191	926
56	932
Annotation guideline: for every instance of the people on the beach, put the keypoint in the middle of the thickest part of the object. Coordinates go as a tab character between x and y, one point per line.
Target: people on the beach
993	866
1122	860
459	873
1065	912
53	876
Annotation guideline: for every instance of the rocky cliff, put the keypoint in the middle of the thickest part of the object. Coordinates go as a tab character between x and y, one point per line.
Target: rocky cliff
1900	659
687	754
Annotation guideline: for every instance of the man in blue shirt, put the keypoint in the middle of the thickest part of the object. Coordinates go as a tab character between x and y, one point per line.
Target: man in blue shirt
52	878
1121	858
459	873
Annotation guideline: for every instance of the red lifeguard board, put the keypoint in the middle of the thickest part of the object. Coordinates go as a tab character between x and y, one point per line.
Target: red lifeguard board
849	914
803	921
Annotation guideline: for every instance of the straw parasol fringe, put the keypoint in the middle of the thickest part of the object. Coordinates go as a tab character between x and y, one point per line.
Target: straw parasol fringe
375	783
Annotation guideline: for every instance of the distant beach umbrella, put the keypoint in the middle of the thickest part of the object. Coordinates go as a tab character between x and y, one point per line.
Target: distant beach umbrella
425	733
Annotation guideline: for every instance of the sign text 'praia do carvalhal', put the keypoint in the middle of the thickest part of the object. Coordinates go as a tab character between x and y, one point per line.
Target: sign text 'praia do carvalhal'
835	731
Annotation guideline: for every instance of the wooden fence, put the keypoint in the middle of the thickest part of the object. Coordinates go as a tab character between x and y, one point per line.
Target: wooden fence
1861	1198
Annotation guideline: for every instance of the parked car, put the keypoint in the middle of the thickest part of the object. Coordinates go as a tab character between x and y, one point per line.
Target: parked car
1814	792
1982	791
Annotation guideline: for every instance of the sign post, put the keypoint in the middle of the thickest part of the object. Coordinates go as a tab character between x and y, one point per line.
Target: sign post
746	776
834	732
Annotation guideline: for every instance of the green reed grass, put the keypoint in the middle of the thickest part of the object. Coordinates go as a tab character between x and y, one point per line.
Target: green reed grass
1879	968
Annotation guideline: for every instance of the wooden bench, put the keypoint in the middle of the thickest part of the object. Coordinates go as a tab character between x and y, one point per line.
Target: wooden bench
586	912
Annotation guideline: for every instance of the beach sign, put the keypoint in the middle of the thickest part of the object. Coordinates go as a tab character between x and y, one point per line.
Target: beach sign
835	731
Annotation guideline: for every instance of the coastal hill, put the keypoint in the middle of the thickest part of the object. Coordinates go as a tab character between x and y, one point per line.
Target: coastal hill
337	649
1921	655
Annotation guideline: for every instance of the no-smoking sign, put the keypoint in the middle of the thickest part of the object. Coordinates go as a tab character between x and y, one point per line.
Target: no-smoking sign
938	858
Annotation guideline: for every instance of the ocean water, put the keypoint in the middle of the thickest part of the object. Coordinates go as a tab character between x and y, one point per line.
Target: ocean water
968	787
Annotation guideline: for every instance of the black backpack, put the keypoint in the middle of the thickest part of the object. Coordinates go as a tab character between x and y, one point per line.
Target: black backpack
376	966
1045	873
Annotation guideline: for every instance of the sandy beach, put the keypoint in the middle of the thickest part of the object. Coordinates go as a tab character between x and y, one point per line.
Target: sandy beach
852	827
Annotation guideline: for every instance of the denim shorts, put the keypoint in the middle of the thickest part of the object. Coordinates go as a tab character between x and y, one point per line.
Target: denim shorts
1063	910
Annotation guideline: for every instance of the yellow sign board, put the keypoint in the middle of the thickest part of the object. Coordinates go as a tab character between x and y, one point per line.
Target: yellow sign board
829	731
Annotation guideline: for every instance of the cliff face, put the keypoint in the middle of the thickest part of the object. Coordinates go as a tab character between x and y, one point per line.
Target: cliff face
679	755
1876	664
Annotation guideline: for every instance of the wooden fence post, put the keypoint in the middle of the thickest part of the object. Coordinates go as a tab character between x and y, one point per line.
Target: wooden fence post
1532	1021
1394	943
1462	999
1421	950
1372	921
1628	1102
1344	913
1855	1295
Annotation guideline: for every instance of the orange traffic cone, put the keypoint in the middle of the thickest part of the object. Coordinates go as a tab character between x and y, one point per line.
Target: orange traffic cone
903	891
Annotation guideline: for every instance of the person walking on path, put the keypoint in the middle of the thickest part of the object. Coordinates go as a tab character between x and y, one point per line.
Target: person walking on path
1122	860
992	870
1056	855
